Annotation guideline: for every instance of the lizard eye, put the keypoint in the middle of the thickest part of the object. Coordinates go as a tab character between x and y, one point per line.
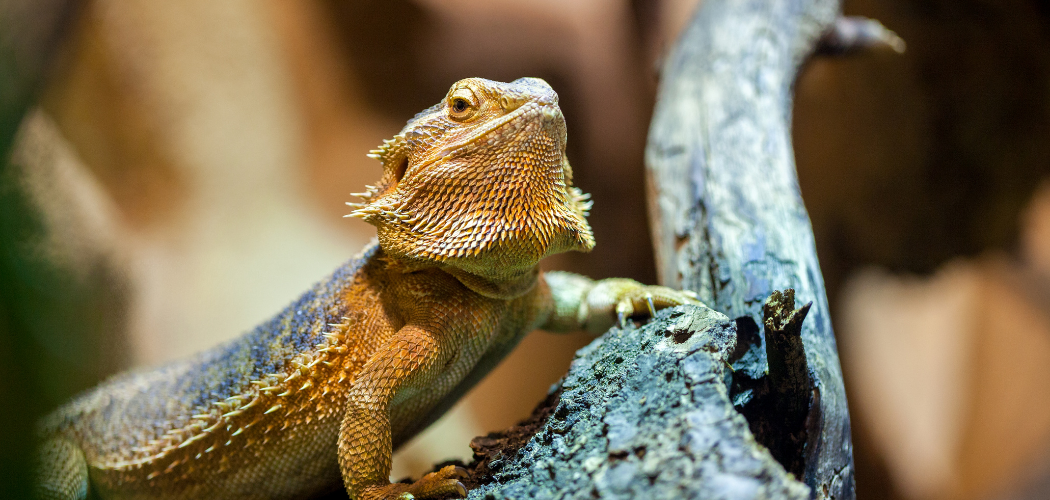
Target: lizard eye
462	104
459	108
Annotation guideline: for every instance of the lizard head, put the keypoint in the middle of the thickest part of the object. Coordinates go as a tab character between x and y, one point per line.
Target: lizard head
480	183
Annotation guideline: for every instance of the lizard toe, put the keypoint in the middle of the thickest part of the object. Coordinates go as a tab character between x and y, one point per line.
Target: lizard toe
441	484
647	300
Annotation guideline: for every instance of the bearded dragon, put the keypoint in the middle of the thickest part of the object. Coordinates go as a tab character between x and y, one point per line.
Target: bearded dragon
475	191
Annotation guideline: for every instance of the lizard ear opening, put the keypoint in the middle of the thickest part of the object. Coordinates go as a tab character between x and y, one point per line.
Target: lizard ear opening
398	171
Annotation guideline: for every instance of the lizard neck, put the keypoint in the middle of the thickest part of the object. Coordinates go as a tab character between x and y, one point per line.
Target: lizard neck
509	288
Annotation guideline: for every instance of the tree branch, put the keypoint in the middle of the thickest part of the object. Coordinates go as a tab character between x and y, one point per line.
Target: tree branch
728	218
643	413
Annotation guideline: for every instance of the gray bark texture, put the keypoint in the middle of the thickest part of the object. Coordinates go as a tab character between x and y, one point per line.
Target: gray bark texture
729	222
644	413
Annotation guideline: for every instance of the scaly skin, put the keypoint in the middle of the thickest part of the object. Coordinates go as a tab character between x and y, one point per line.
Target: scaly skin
475	191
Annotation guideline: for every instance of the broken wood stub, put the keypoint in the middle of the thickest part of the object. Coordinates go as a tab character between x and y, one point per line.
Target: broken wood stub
778	406
788	373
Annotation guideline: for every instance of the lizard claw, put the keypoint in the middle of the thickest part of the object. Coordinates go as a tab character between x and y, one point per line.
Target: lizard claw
460	473
624	309
652	299
615	301
652	308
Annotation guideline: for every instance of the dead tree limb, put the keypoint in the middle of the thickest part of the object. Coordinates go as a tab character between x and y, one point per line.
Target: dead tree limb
643	413
728	218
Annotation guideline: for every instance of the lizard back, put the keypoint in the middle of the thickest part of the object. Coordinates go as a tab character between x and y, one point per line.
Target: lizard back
141	426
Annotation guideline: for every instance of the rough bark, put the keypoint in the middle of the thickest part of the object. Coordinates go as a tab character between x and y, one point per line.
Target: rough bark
643	413
728	218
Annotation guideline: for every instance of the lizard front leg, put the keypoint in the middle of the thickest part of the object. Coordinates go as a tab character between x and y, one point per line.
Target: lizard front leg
580	303
365	445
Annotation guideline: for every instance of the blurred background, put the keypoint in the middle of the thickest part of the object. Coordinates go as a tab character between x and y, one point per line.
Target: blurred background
180	175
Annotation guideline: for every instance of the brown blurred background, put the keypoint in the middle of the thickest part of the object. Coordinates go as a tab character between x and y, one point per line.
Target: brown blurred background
187	165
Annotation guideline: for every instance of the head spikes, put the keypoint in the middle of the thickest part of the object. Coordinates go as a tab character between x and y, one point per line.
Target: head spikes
390	150
364	212
582	200
392	154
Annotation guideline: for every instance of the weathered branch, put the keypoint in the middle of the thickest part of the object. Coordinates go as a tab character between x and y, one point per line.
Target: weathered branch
728	216
643	413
